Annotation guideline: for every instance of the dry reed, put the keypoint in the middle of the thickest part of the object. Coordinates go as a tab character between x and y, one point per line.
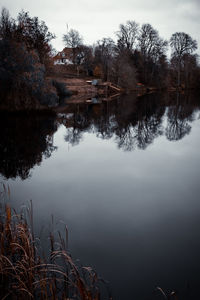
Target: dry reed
25	274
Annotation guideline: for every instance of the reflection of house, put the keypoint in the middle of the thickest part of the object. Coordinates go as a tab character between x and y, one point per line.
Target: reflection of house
64	57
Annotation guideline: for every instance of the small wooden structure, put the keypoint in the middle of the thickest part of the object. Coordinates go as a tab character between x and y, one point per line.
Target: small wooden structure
107	87
114	87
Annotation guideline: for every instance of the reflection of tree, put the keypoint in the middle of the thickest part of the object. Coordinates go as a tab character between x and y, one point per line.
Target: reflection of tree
24	141
177	128
127	139
132	122
73	136
144	124
178	117
106	127
148	129
76	125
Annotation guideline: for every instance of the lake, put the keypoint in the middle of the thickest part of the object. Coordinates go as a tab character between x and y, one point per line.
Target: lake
124	176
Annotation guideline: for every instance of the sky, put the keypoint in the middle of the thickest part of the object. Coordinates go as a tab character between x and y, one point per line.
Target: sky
97	19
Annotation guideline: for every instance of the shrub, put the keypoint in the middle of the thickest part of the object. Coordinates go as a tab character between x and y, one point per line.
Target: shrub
61	88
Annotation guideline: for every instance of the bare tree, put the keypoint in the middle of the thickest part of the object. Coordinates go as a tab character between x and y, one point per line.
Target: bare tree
104	53
189	66
181	44
85	58
152	48
150	44
73	40
7	25
127	35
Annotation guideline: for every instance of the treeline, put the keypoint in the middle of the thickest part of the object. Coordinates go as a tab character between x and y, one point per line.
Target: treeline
131	122
139	55
25	54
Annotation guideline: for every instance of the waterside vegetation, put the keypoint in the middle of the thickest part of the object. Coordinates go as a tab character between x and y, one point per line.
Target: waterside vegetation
27	273
32	72
24	57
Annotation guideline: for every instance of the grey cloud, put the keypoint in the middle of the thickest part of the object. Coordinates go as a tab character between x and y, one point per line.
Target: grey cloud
97	19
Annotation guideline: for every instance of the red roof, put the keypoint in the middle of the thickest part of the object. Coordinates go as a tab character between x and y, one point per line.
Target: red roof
66	53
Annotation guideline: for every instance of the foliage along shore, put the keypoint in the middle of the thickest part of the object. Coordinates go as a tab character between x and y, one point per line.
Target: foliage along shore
24	61
137	60
26	272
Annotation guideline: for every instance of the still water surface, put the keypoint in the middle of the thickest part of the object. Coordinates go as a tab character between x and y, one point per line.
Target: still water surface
124	177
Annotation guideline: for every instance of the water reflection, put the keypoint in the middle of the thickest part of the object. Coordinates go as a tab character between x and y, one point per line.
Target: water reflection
142	125
24	142
180	113
132	122
140	221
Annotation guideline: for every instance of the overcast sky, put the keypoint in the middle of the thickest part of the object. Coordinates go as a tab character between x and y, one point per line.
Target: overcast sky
95	19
